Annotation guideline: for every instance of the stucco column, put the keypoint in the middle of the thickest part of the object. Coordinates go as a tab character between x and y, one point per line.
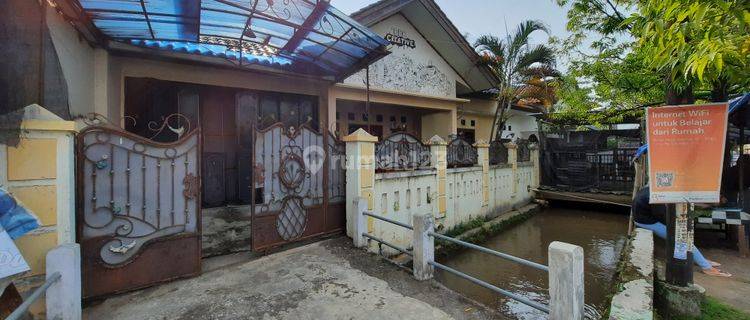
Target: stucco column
536	173
40	173
360	173
513	161
440	163
483	157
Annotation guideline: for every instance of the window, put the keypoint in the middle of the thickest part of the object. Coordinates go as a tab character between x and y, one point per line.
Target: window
510	128
403	119
463	122
338	115
350	116
393	118
365	117
473	123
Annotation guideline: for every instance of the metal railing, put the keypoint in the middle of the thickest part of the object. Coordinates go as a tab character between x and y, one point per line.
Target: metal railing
401	151
460	153
384	242
506	293
435	264
498	152
499	254
33	297
492	252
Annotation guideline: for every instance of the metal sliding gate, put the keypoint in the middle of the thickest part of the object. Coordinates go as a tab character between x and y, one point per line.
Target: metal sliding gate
299	180
138	215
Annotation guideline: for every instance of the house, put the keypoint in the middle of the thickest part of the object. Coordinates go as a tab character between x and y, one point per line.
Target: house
419	86
178	107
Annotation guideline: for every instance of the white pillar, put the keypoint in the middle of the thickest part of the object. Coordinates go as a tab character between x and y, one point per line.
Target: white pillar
513	162
360	173
536	174
424	246
483	159
565	281
360	222
63	297
438	153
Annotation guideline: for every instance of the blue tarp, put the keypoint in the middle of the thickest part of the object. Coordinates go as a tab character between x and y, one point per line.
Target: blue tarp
736	104
14	218
305	36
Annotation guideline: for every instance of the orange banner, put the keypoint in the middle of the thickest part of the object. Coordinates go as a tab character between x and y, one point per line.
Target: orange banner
685	152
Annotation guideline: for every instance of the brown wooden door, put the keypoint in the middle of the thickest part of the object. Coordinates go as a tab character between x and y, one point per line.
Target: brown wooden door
139	207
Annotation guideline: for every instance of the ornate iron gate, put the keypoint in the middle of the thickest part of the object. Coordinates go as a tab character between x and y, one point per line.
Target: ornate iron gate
299	185
138	207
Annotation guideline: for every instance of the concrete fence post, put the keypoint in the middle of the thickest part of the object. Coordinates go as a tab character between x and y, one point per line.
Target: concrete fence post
483	159
565	281
360	174
424	245
360	222
513	162
536	174
438	154
63	297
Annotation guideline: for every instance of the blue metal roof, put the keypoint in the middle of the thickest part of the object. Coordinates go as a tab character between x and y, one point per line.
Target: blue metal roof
306	36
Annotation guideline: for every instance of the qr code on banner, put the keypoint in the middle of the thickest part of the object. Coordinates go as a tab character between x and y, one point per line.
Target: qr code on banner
664	179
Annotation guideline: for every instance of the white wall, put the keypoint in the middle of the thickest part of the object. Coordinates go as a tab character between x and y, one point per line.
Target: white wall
521	124
416	70
407	191
77	60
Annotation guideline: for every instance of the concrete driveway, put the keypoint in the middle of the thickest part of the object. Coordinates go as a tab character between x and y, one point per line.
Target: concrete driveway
324	280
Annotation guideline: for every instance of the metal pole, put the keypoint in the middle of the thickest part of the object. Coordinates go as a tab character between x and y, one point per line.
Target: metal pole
367	101
506	293
21	310
679	272
741	167
403	225
492	252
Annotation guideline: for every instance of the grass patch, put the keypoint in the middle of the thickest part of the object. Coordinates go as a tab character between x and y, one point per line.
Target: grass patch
714	309
482	233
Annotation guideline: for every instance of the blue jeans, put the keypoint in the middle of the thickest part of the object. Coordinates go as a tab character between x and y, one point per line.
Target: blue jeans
660	230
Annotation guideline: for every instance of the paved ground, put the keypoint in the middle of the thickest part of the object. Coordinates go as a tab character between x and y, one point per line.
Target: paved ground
324	280
734	291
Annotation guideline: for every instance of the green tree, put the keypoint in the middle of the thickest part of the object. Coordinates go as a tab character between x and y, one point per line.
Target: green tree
526	71
603	70
696	43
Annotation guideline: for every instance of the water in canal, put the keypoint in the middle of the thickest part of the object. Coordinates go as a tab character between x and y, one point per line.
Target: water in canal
601	234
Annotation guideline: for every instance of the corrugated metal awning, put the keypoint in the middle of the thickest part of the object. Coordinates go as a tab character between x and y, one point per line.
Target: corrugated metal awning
303	36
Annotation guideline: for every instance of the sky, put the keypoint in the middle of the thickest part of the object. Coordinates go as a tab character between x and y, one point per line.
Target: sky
479	17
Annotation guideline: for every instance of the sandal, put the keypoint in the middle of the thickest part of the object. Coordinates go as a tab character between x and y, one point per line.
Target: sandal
714	263
716	272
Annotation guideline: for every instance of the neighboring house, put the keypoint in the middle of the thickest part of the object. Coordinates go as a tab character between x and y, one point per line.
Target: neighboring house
417	87
476	117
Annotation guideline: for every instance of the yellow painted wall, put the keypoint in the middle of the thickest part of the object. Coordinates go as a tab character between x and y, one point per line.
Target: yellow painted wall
442	124
482	112
39	173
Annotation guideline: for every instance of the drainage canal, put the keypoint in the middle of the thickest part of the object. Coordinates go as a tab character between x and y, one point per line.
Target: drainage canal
601	234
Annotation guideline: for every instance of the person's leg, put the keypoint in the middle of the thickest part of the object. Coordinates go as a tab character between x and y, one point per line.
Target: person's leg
660	230
700	260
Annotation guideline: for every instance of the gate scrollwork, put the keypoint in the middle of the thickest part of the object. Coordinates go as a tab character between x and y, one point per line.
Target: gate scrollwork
290	162
134	190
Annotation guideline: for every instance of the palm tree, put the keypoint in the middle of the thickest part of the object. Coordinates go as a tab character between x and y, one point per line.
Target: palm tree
527	72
